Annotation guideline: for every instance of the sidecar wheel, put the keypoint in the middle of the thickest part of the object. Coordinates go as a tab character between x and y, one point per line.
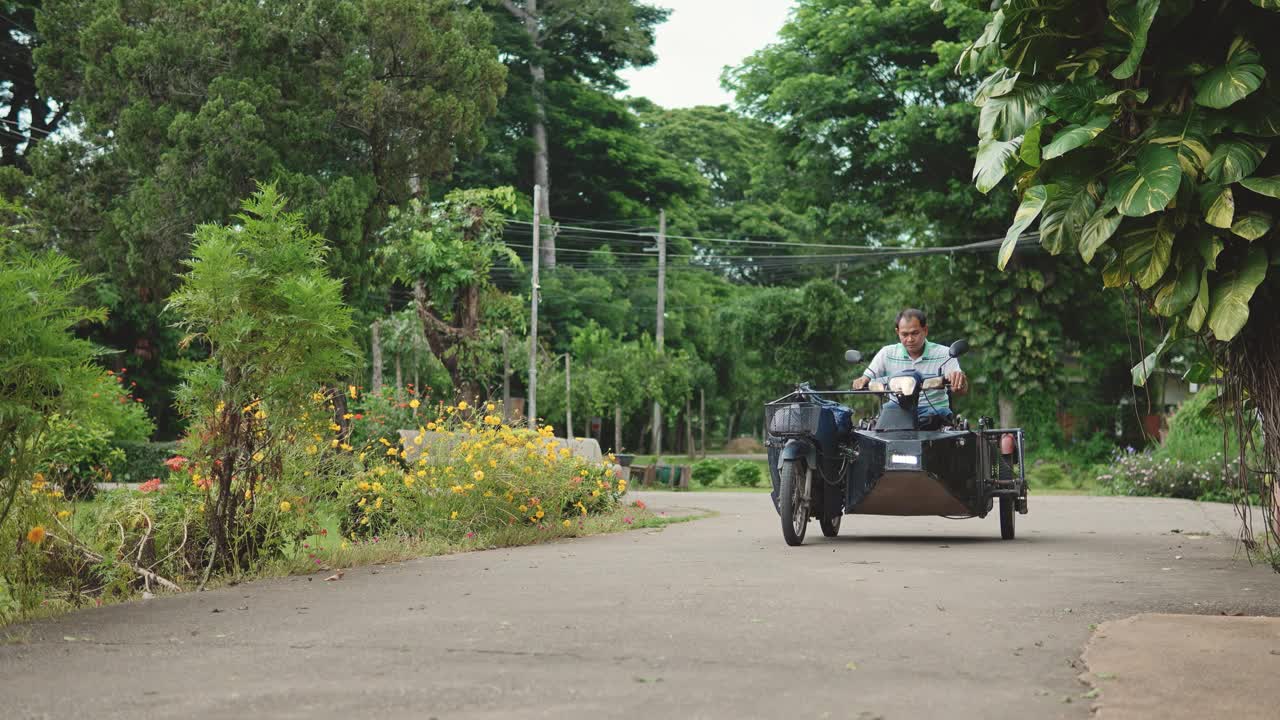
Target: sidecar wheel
794	506
1007	517
830	526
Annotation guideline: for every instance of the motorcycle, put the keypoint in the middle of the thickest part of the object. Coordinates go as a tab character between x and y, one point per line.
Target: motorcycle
825	466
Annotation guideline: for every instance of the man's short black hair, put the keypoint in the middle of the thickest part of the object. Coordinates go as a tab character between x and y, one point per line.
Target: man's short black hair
910	313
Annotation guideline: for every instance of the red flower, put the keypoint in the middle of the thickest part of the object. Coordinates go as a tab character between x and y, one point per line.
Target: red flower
175	463
359	416
640	504
151	485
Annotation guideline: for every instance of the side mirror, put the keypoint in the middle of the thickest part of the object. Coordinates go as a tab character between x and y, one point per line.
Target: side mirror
958	348
852	356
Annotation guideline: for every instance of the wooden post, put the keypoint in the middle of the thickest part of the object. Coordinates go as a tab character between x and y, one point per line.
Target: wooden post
533	315
688	429
375	356
617	428
506	378
568	401
399	377
702	422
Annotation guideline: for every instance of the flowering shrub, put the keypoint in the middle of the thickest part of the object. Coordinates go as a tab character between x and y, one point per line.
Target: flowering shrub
1146	474
381	416
475	474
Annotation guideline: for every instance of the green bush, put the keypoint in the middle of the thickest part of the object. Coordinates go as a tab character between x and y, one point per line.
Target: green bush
1148	474
145	460
1047	475
745	474
705	472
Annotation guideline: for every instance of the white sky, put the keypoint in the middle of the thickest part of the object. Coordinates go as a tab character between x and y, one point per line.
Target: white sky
697	41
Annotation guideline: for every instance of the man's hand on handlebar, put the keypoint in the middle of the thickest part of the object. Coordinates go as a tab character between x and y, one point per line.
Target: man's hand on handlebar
861	382
959	383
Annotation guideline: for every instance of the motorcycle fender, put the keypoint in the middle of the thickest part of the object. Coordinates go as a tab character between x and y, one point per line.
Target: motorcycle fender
799	449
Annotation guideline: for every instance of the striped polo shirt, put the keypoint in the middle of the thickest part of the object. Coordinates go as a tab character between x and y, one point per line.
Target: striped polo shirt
893	359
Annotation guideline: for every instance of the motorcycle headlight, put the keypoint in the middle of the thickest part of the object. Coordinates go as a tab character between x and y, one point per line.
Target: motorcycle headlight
933	383
903	385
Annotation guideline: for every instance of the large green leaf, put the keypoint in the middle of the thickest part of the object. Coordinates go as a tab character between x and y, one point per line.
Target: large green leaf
1230	304
1178	290
1149	185
1065	214
994	160
1218	204
1186	135
1029	153
1267	4
1234	160
1033	201
1138	96
1008	116
1210	247
1200	307
1142	371
1253	225
1147	250
1098	230
1134	21
1074	136
1115	274
1264	186
1230	83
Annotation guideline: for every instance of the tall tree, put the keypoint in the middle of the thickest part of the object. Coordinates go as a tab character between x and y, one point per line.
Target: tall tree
876	128
27	115
565	43
181	106
1140	133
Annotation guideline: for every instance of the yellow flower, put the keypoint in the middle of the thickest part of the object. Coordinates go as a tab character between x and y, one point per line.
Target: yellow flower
524	509
351	390
362	502
414	403
453	515
457	489
539	514
343	546
348	416
345	447
257	457
595	493
362	486
566	523
462	405
478	475
384	441
285	506
488	493
248	493
335	427
377	504
36	535
431	426
64	514
417	439
408	481
333	443
392	451
221	406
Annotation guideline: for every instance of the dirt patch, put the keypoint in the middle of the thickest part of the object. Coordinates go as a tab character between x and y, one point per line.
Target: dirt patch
1192	667
744	445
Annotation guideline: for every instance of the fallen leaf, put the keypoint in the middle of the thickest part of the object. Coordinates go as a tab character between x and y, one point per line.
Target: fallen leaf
336	576
1105	676
851	666
1090	695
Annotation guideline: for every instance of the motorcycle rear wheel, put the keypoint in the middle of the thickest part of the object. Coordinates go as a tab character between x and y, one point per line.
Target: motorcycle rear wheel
793	482
830	526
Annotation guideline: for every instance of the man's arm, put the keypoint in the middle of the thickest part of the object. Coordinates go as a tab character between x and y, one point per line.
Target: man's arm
959	381
874	370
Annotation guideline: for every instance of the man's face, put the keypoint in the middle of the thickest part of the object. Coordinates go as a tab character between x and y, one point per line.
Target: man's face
912	334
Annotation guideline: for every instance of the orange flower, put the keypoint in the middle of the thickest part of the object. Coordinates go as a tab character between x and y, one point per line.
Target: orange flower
36	535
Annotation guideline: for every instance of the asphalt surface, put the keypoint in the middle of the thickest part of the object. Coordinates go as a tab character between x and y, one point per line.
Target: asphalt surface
718	618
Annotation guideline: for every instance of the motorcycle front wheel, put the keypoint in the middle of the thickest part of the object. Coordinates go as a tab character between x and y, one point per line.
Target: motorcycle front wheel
793	496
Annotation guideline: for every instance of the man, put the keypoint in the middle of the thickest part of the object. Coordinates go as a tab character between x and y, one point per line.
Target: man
915	352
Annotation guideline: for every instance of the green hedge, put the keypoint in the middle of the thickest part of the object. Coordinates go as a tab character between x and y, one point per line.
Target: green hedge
144	461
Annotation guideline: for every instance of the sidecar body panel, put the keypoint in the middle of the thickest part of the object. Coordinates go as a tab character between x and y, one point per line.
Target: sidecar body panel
915	473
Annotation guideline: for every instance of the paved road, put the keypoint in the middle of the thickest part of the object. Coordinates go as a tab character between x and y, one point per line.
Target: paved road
902	619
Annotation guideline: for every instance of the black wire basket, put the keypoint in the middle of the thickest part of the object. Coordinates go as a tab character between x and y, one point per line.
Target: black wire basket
789	419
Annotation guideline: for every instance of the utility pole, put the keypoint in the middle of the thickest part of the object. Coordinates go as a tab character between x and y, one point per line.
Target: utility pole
568	402
661	320
533	314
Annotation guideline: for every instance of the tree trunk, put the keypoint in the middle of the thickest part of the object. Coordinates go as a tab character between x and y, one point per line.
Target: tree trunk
375	355
688	429
1008	411
733	416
